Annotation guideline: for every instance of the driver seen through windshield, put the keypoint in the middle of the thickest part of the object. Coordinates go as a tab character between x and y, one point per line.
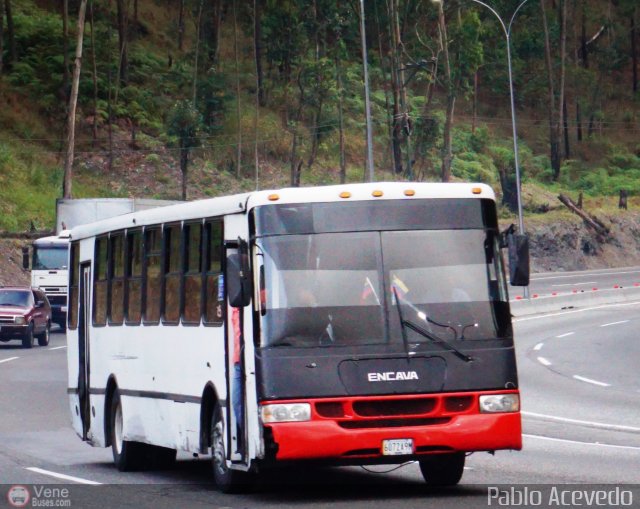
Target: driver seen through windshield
338	289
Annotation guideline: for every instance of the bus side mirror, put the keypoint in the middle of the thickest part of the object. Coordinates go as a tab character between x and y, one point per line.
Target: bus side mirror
25	258
518	249
239	287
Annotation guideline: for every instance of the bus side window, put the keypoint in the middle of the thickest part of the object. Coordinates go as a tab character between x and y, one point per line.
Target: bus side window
153	277
214	286
74	280
100	282
172	275
134	278
192	273
116	279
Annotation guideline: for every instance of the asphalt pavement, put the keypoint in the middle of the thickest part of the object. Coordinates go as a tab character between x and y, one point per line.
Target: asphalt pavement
581	417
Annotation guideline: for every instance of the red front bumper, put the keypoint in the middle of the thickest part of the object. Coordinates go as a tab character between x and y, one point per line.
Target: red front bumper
355	427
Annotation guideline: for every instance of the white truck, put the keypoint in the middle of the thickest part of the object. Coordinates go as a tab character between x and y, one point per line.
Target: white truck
48	256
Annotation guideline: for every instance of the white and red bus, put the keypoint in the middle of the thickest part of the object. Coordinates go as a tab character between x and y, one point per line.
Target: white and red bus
354	324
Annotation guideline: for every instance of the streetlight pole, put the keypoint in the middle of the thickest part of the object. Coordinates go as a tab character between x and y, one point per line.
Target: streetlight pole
367	100
507	32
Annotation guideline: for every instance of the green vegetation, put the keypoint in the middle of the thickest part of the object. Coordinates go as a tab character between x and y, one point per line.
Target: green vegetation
173	101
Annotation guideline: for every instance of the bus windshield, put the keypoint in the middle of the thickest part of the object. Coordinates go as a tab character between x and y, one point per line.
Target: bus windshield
50	258
339	289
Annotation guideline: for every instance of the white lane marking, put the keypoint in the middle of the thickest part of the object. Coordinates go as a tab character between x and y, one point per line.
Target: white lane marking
596	444
573	311
565	334
588	274
58	347
591	381
544	362
577	284
614	323
9	359
538	347
62	476
617	427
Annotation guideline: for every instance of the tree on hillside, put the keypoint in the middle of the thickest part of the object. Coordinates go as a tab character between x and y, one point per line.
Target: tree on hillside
11	37
73	102
183	123
65	49
1	34
123	31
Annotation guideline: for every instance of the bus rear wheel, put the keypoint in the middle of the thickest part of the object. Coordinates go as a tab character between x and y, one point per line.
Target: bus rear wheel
443	469
127	455
228	480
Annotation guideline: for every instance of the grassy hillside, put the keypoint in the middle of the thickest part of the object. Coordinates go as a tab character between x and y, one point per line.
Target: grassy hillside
136	150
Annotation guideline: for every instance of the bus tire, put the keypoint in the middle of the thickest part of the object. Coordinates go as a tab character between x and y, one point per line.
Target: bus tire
127	456
27	339
443	469
228	480
43	339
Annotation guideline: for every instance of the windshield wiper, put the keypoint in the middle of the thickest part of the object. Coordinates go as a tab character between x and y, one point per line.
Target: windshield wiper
416	328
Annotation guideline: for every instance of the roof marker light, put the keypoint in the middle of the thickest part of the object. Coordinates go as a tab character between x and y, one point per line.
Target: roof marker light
274	197
476	190
345	194
409	192
377	193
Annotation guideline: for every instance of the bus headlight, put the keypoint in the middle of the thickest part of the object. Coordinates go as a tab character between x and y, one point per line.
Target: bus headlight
286	412
19	320
495	403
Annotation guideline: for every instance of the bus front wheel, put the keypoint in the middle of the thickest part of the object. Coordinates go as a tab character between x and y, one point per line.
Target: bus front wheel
443	469
228	480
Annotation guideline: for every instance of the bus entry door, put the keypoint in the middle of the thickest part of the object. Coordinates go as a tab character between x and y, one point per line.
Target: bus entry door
83	349
236	393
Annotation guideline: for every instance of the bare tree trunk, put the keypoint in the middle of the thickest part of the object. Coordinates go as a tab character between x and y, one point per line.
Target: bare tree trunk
66	76
474	120
563	60
11	36
257	42
634	49
195	65
405	121
565	129
181	26
343	163
554	143
386	89
238	109
1	35
95	75
395	87
447	155
184	168
214	39
73	101
123	67
258	69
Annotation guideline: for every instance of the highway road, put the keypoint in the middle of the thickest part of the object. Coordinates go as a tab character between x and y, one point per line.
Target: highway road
581	415
583	281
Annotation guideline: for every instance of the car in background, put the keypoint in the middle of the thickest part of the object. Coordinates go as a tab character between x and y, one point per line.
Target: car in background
25	314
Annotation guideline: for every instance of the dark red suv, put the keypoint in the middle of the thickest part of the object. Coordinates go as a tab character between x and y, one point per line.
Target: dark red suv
25	314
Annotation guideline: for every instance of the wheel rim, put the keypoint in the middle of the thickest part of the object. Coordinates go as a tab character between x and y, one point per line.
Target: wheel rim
46	335
219	459
117	429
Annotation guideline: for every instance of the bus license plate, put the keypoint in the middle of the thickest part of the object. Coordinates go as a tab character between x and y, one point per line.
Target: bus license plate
397	447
